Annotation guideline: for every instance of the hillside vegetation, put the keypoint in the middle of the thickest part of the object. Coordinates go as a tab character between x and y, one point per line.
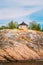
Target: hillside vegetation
15	25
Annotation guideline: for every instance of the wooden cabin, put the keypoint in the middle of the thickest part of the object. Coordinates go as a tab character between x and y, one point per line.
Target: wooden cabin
23	25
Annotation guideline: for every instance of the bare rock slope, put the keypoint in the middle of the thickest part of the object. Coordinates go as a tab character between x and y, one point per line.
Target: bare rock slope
20	45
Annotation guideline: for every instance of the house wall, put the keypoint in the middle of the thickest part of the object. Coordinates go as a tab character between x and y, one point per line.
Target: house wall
22	27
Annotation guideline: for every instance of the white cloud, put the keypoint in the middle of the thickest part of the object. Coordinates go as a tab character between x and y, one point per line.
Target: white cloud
16	12
25	2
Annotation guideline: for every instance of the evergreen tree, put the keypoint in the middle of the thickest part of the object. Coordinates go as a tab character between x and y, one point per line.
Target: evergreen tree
34	26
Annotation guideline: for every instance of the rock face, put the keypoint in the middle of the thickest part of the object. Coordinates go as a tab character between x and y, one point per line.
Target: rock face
20	45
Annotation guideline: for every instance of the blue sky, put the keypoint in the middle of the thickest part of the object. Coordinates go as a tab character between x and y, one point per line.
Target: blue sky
21	10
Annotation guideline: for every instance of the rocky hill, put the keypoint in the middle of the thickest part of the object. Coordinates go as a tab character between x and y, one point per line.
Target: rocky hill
20	45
